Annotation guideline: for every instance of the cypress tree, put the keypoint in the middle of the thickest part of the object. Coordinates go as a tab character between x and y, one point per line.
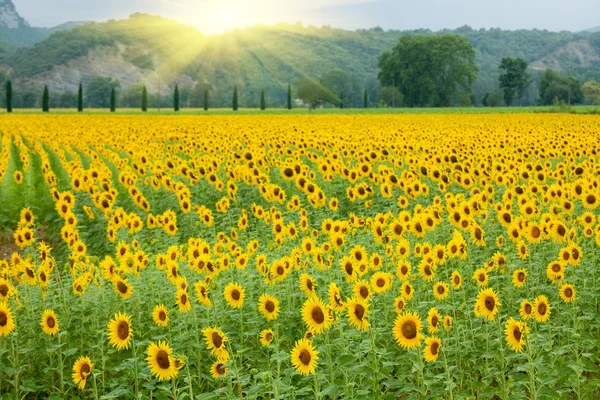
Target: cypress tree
144	99
235	99
289	97
263	105
365	100
176	98
8	96
80	98
113	100
46	100
341	100
205	99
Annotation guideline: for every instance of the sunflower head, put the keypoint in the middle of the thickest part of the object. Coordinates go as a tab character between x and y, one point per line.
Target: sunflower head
81	370
304	357
49	323
407	330
160	362
120	332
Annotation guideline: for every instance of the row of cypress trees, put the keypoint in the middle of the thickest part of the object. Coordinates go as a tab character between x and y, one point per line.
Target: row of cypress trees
144	100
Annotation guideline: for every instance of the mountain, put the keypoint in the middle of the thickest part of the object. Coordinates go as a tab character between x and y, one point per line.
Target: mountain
9	17
593	30
160	52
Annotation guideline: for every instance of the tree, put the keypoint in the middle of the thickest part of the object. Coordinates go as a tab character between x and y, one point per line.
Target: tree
429	69
263	105
97	92
205	99
65	100
563	88
9	96
341	100
390	97
591	91
113	100
46	100
313	93
289	97
176	99
144	99
342	82
235	99
80	98
514	79
365	100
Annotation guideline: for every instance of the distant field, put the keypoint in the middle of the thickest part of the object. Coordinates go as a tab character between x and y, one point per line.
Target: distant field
376	111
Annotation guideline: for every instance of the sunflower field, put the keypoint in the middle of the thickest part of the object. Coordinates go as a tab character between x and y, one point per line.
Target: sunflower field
295	257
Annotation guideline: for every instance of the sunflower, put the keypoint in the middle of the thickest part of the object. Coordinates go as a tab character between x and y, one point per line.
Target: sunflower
357	310
7	320
49	323
160	362
266	337
403	270
5	289
555	270
407	330
315	315
481	277
381	282
183	300
335	297
456	280
526	309
567	293
308	285
519	277
515	334
441	290
433	319
487	304
81	370
218	369
361	290
201	290
268	306
432	348
447	322
541	309
407	291
120	332
304	357
122	287
234	294
347	267
160	316
399	304
215	341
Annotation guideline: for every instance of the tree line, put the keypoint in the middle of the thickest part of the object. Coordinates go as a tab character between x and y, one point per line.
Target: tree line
420	71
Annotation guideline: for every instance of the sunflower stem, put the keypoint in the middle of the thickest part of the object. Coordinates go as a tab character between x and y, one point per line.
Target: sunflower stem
135	371
316	386
532	390
502	377
421	374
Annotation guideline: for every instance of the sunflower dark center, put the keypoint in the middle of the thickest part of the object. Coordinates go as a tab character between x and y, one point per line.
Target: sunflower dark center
364	292
348	268
123	330
528	308
3	318
521	276
317	315
270	306
434	321
269	336
568	292
162	359
517	333
435	346
305	357
359	311
556	267
162	316
441	290
535	232
3	290
481	277
183	298
404	270
381	282
409	330
122	287
84	371
217	340
542	309
490	303
50	322
235	294
309	285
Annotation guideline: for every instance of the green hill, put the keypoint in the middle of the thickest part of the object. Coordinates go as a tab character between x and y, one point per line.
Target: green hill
160	52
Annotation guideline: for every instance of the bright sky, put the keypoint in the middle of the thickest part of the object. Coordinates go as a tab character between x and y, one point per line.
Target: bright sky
215	16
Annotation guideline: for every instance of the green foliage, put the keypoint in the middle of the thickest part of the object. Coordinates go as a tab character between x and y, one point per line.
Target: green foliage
8	96
235	99
113	100
429	69
389	96
263	104
555	87
591	92
176	98
340	81
97	92
289	97
493	99
205	99
313	93
80	98
514	79
46	100
144	99
365	100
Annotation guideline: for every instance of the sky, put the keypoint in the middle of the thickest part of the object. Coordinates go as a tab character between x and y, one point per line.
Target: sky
216	16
